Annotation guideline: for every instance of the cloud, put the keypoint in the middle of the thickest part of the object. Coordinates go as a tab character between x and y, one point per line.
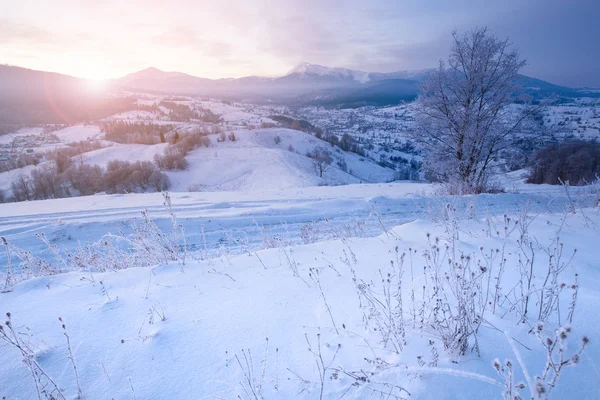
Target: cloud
265	37
180	36
13	32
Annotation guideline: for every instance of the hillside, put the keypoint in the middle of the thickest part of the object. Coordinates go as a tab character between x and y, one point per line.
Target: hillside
256	162
258	159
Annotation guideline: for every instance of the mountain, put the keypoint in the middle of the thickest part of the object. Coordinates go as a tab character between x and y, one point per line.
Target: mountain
378	93
304	84
306	71
312	84
155	73
541	89
154	80
32	97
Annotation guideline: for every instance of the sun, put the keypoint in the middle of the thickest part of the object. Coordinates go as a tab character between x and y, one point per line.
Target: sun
96	86
96	76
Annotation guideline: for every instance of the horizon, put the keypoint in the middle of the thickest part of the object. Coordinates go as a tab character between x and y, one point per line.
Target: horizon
224	78
235	39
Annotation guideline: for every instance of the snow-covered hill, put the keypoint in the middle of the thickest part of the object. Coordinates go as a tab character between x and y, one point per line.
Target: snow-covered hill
254	161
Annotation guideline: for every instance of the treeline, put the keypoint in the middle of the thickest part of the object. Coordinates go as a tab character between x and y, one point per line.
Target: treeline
49	182
136	132
577	162
183	113
296	124
179	112
153	108
346	143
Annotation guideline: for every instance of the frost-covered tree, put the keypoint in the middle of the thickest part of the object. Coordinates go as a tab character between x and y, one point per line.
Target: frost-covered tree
467	112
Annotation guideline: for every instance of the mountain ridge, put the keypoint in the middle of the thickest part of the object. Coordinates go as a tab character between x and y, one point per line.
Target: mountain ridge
31	96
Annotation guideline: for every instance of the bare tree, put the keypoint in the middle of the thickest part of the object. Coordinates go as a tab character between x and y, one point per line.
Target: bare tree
467	112
321	159
21	188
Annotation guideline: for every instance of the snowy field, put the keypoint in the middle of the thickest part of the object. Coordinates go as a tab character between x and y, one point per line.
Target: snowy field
296	306
256	278
235	220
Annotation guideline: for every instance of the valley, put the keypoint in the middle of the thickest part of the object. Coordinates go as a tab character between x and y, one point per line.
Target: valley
171	236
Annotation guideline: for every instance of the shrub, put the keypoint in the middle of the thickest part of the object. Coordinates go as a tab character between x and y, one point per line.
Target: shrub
158	181
124	177
86	179
172	158
82	179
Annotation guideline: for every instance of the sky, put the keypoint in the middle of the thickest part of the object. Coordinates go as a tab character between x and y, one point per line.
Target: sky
232	38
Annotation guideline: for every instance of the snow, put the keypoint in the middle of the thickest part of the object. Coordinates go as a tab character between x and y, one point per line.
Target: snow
255	162
7	177
259	223
218	309
123	152
78	133
133	115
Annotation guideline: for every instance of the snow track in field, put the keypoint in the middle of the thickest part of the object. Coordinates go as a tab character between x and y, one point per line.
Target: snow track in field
225	216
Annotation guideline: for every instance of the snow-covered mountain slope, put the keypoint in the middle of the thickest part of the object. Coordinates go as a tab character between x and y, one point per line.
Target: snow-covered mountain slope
307	69
155	73
254	161
304	68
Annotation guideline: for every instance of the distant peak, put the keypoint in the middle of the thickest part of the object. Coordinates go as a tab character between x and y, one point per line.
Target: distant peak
305	68
153	73
302	68
151	69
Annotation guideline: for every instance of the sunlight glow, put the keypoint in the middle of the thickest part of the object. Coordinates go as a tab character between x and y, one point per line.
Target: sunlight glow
95	86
